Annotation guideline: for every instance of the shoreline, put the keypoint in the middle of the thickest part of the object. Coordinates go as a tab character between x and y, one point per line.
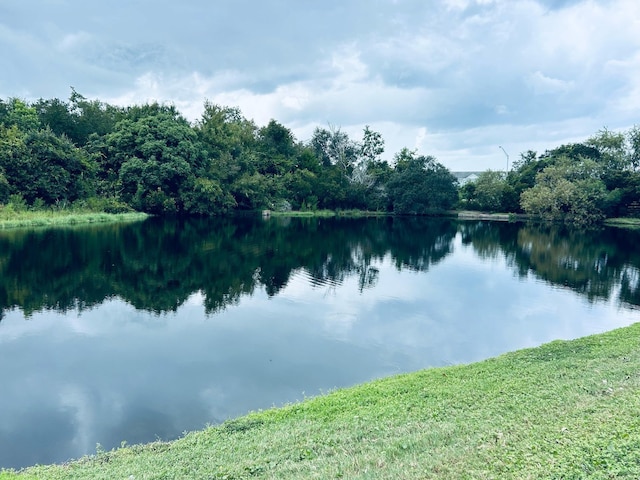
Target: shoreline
36	219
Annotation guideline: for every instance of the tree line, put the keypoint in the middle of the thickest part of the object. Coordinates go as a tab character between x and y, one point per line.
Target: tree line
150	158
580	182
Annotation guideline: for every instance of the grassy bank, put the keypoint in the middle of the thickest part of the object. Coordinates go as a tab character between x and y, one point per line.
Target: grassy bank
324	213
566	410
633	223
48	218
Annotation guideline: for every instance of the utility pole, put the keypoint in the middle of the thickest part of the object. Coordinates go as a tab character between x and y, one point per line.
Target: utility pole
506	155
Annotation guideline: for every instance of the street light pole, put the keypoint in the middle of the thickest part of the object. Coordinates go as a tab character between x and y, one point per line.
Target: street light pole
506	155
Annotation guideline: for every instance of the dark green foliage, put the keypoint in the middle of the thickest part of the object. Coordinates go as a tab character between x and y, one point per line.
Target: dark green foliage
92	118
41	164
486	193
581	182
5	188
150	158
420	185
56	115
156	157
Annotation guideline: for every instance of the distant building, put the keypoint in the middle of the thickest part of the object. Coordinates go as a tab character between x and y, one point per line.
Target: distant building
466	177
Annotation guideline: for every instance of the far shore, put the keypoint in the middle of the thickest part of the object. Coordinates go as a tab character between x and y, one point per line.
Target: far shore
51	218
54	218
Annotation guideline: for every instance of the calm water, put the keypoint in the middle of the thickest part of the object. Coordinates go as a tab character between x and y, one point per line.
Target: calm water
144	331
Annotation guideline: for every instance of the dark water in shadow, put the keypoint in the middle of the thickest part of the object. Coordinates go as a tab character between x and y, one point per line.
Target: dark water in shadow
143	331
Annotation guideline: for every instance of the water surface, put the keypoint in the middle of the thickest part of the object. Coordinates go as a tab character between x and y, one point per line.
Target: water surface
143	331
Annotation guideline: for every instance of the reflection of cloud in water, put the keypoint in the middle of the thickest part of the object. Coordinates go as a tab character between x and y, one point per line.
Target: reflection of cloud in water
195	300
114	373
214	398
75	401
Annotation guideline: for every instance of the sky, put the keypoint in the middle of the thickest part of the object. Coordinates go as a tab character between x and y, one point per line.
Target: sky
456	79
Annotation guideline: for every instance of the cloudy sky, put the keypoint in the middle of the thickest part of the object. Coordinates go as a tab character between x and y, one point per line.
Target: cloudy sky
451	78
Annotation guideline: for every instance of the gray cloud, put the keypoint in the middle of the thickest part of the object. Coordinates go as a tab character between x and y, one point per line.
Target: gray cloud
427	73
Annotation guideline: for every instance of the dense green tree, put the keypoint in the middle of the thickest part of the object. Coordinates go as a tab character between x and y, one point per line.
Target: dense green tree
156	156
16	112
334	147
609	149
275	149
92	118
79	119
152	158
618	153
41	164
5	188
568	190
525	176
56	115
486	192
420	185
229	141
633	143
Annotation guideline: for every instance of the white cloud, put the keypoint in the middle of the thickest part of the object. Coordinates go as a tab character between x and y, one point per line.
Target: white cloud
457	4
73	40
420	138
542	84
468	72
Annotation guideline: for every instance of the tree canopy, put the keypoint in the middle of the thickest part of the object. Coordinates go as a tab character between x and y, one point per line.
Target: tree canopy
151	158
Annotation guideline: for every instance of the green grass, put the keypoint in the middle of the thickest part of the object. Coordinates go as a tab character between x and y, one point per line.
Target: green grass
566	410
326	213
303	213
633	223
49	218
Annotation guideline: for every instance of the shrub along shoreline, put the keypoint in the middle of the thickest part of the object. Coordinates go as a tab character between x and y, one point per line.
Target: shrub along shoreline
567	409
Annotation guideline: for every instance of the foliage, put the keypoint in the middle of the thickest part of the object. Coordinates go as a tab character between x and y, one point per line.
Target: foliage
150	158
17	113
567	190
486	192
611	189
156	156
420	185
41	164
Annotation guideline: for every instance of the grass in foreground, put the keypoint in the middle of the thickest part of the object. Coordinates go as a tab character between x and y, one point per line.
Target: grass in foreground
567	410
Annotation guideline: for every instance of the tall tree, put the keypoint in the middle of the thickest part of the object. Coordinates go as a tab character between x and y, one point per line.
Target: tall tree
487	191
420	185
155	154
17	112
41	164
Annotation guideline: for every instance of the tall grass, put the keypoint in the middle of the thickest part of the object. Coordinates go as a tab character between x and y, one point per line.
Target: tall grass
16	213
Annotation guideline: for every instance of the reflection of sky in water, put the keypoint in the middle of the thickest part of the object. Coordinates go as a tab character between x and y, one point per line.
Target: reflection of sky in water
113	373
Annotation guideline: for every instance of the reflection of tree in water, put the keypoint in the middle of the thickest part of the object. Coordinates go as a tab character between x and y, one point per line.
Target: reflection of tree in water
594	263
157	265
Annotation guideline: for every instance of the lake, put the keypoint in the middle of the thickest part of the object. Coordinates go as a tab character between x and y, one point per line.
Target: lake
137	332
